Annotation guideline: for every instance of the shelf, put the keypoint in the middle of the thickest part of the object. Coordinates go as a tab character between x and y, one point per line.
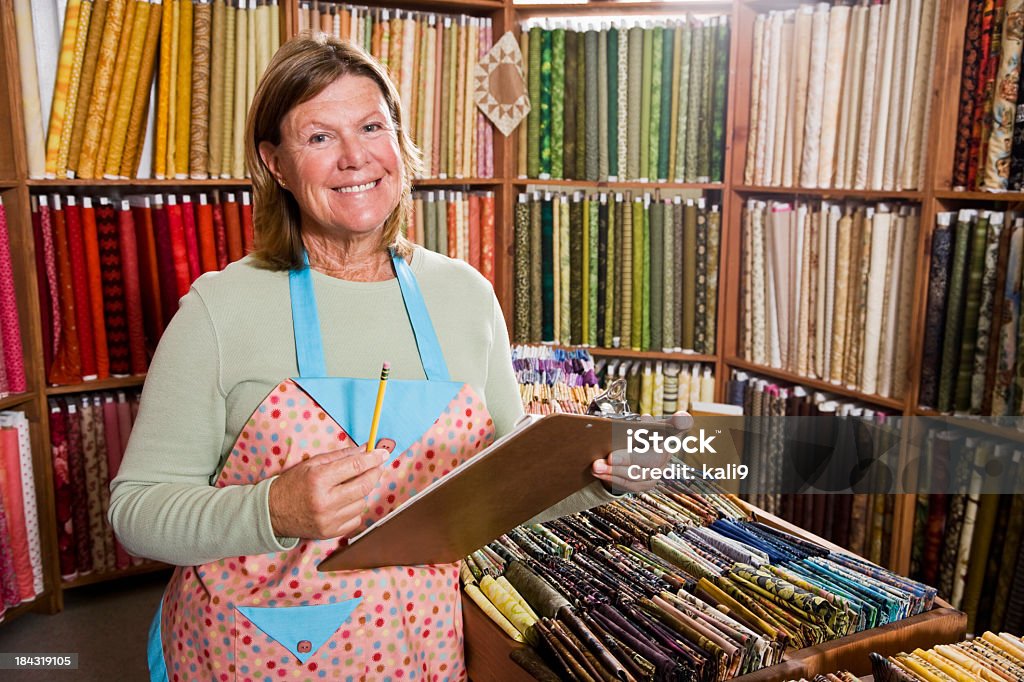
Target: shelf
101	577
462	6
831	193
980	196
98	385
16	612
817	384
141	183
623	7
651	355
419	183
604	184
15	400
971	424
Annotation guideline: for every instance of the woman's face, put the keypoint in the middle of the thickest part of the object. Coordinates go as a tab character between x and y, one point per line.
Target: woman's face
339	157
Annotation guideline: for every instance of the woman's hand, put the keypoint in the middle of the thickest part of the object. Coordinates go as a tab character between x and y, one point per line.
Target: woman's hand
324	496
613	471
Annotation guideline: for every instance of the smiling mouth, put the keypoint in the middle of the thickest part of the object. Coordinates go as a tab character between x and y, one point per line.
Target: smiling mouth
358	188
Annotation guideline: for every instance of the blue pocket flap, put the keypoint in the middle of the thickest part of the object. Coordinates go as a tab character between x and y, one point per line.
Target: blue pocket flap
291	625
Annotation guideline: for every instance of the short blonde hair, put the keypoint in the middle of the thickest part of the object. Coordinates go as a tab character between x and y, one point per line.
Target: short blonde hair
300	70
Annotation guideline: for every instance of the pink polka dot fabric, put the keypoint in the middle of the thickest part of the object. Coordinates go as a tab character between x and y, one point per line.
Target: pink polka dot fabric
408	624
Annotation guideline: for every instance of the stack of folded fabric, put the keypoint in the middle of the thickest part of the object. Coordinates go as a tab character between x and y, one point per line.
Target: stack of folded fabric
660	388
553	380
988	657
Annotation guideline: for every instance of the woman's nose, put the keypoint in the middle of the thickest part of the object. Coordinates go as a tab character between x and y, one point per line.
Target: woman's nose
351	152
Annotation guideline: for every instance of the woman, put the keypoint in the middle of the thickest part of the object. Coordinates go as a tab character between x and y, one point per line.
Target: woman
244	478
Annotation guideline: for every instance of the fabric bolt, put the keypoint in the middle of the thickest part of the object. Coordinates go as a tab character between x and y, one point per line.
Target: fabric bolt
593	265
1004	104
218	66
766	159
1016	181
199	126
92	483
756	86
696	98
564	270
986	305
883	96
533	73
954	310
614	69
228	90
657	281
657	67
58	108
972	309
646	79
115	313
547	270
626	276
536	276
49	287
711	267
709	30
164	93
603	113
842	291
634	95
13	360
691	216
839	18
140	100
700	280
110	112
79	278
1008	322
990	39
719	103
241	105
969	76
850	113
112	160
867	130
31	106
569	106
683	94
593	139
73	87
545	105
558	83
899	95
917	149
90	243
759	283
874	303
149	273
816	102
80	507
622	105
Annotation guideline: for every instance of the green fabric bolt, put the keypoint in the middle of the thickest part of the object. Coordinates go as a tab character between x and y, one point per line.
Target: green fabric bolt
545	104
683	117
536	270
533	118
547	271
557	103
653	140
602	105
646	277
585	294
430	223
569	104
565	265
522	272
594	265
601	278
610	281
576	269
635	86
699	320
657	270
955	310
622	153
590	83
689	274
677	57
668	285
972	307
704	126
612	48
719	103
695	96
647	79
665	119
624	271
581	108
677	270
714	236
637	318
441	239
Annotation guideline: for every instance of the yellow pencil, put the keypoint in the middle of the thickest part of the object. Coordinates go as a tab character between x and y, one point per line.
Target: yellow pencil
380	402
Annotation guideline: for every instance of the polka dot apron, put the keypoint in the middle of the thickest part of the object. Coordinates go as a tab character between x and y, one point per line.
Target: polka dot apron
275	616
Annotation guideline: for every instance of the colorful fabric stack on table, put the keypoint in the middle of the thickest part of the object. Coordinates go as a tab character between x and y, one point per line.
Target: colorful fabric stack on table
839	96
431	58
457	223
675	583
841	676
859	522
619	269
825	286
554	379
111	271
96	87
21	559
969	544
660	388
988	657
973	335
621	99
88	435
12	362
989	135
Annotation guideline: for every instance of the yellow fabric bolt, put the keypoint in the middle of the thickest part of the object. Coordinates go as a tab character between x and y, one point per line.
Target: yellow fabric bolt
172	94
183	84
163	92
506	604
474	593
218	47
140	101
92	53
250	61
114	95
262	40
237	169
503	581
228	91
118	134
85	11
89	163
61	85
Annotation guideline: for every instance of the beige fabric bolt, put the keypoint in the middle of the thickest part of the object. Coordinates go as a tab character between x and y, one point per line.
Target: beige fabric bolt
771	126
819	41
883	95
923	70
783	143
850	117
838	23
875	302
867	128
499	88
887	354
913	34
805	231
765	104
893	136
759	283
241	82
802	103
842	290
754	131
835	214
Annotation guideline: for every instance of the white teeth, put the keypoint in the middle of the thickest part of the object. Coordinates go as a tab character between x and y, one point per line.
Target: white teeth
357	188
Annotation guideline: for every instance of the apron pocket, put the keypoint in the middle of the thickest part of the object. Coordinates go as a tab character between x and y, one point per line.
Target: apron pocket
302	630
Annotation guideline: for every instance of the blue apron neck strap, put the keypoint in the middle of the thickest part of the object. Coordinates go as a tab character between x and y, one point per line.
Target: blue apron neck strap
309	350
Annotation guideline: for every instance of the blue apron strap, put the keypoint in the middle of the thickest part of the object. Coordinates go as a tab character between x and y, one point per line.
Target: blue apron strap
309	349
431	356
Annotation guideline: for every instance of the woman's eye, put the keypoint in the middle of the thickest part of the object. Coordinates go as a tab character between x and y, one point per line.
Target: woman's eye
372	127
319	138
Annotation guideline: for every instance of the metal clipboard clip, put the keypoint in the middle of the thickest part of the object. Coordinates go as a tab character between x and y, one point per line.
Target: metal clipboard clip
612	403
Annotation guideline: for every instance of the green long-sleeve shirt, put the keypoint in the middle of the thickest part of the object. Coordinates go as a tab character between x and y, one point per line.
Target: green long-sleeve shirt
231	343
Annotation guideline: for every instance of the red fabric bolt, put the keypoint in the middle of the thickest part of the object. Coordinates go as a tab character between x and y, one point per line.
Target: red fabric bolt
113	289
233	227
179	249
80	285
92	263
165	262
132	293
487	237
114	453
247	228
14	505
14	362
46	267
474	231
207	242
149	275
191	241
67	365
220	236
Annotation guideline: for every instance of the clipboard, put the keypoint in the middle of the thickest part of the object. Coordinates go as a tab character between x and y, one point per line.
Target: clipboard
510	482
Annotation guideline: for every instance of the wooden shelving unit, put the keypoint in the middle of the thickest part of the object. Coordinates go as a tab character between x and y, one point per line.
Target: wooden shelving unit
94	578
113	383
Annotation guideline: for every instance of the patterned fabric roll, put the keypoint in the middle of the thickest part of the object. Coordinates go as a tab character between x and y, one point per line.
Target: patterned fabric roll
693	115
990	39
558	66
91	247
634	89
608	275
756	97
626	276
1002	395
867	113
874	301
938	288
90	164
233	227
611	46
140	101
666	120
657	280
113	98
536	271
80	503
622	106
677	273
93	483
569	106
32	113
228	91
710	327
657	66
547	299
218	67
58	108
886	48
682	117
599	273
968	86
62	490
668	278
13	359
590	88
1016	182
972	309
126	93
816	102
990	272
576	274
149	272
533	74
842	296
647	83
590	290
179	248
839	17
545	104
637	295
199	130
74	82
701	280
954	310
1004	105
581	109
240	101
690	228
220	236
114	309
80	280
248	235
719	101
602	105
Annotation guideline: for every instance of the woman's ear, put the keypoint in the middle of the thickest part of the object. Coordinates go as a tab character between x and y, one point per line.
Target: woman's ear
268	152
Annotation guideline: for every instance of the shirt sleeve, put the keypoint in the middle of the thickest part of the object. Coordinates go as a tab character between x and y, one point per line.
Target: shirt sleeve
162	504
